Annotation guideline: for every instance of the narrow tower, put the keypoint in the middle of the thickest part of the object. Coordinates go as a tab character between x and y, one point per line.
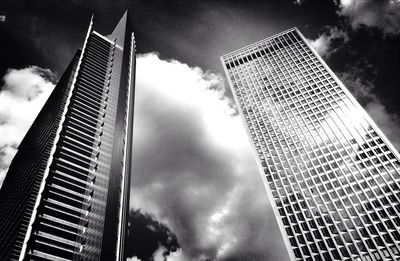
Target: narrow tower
332	176
66	194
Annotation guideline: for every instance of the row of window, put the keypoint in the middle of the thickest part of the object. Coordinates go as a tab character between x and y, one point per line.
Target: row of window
300	101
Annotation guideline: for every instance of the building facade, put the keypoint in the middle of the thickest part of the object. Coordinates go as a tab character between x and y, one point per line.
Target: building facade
332	176
66	193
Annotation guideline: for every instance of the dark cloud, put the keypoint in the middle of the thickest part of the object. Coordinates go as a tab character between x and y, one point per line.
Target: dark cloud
384	14
146	235
358	84
33	39
363	90
374	56
47	33
46	74
365	56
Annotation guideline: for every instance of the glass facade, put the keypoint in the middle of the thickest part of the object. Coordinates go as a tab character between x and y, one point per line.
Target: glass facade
75	187
331	175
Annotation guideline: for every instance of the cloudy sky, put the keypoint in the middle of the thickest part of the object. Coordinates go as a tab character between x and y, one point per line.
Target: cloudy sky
196	192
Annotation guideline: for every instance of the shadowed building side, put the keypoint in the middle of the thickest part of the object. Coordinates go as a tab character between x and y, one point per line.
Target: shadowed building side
80	198
22	182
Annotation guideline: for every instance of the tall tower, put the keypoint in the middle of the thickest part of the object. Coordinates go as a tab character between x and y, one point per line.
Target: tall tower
332	176
66	194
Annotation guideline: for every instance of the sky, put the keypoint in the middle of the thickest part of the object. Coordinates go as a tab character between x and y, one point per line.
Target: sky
196	193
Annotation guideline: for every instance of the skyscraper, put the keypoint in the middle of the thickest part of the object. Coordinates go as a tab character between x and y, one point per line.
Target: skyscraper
331	175
66	194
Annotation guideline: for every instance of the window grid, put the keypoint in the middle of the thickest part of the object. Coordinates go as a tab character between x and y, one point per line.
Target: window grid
281	77
309	207
336	149
310	158
291	188
332	200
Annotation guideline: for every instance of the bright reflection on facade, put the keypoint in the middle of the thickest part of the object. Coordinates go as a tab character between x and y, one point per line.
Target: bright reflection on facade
331	175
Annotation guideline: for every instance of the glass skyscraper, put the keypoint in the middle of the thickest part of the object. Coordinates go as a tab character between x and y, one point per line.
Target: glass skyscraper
332	176
66	194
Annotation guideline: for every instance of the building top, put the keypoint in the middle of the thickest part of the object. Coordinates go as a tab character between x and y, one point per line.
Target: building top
242	49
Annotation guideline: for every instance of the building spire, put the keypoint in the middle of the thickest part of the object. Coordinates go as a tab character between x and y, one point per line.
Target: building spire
119	32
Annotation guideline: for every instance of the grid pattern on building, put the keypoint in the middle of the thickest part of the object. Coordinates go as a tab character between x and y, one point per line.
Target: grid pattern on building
27	168
71	165
332	176
64	212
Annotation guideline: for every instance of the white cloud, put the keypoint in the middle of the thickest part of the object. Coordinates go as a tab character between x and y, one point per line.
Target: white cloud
193	166
323	44
384	14
320	45
177	256
158	255
21	97
298	2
